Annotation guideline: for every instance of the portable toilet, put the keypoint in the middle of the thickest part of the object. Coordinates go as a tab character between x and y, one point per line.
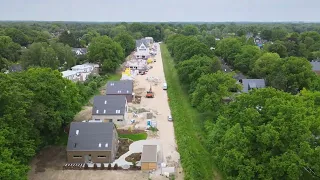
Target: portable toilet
149	123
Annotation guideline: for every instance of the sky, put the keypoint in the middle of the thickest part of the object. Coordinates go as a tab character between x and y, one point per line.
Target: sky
161	10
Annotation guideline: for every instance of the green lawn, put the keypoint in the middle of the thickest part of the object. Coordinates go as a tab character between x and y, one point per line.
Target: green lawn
134	137
189	133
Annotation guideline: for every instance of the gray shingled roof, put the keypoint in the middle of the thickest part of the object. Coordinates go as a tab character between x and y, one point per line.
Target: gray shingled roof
109	105
90	136
140	41
315	65
120	87
149	153
252	83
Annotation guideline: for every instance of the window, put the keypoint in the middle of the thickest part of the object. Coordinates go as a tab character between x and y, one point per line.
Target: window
117	111
77	156
102	156
119	119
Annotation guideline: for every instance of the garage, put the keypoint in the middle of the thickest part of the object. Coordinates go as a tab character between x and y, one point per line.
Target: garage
149	157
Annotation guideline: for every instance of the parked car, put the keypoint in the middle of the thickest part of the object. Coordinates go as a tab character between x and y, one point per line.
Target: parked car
165	86
170	118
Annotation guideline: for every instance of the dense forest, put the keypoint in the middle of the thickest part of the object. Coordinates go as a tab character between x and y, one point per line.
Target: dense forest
270	133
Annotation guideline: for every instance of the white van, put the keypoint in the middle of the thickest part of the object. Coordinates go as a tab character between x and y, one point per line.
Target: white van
164	87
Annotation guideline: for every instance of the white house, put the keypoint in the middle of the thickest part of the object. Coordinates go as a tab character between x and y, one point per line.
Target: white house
142	49
79	51
83	68
71	75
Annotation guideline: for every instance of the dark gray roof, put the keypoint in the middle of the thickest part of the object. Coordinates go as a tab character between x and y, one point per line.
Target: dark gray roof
252	83
15	68
86	136
315	65
140	41
109	105
120	87
149	153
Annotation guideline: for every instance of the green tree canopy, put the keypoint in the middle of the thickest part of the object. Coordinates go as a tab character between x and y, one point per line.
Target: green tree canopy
266	134
126	41
107	52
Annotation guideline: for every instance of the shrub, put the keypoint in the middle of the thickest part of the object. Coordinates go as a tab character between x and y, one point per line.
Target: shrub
95	166
109	167
86	166
134	164
102	166
115	167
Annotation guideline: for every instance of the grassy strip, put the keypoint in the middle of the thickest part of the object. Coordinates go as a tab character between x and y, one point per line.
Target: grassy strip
195	158
134	137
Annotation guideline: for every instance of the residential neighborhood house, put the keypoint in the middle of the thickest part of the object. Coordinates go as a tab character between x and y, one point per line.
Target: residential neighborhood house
315	66
124	87
80	51
249	84
92	142
71	75
142	49
110	108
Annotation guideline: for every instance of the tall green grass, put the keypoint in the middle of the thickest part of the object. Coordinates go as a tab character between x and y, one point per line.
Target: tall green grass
195	159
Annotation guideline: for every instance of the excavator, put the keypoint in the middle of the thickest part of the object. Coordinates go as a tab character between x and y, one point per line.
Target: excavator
150	93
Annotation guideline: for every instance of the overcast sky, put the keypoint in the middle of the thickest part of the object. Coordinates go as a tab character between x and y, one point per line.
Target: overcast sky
160	10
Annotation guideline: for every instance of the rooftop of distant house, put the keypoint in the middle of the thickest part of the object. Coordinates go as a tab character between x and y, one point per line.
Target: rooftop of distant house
315	65
249	84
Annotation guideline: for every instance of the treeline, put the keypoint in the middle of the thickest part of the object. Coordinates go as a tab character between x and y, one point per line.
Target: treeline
270	133
290	74
35	106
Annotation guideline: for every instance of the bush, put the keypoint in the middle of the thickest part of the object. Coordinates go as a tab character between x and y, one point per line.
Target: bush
86	166
109	167
102	166
95	166
115	167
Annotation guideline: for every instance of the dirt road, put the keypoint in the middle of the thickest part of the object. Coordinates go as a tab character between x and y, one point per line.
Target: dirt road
160	105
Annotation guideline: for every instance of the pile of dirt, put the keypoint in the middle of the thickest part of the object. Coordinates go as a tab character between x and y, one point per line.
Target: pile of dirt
134	157
123	147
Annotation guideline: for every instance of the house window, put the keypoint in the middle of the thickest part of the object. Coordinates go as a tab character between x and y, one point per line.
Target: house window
119	119
77	156
102	156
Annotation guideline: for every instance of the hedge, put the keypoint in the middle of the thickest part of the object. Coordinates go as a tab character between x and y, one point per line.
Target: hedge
195	159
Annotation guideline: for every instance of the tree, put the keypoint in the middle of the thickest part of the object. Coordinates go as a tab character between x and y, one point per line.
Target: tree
107	52
279	48
211	89
228	48
17	36
265	65
246	58
69	38
266	134
8	49
191	70
126	41
40	54
266	34
190	30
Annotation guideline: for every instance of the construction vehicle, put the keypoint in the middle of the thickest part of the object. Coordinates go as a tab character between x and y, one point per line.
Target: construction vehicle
150	93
